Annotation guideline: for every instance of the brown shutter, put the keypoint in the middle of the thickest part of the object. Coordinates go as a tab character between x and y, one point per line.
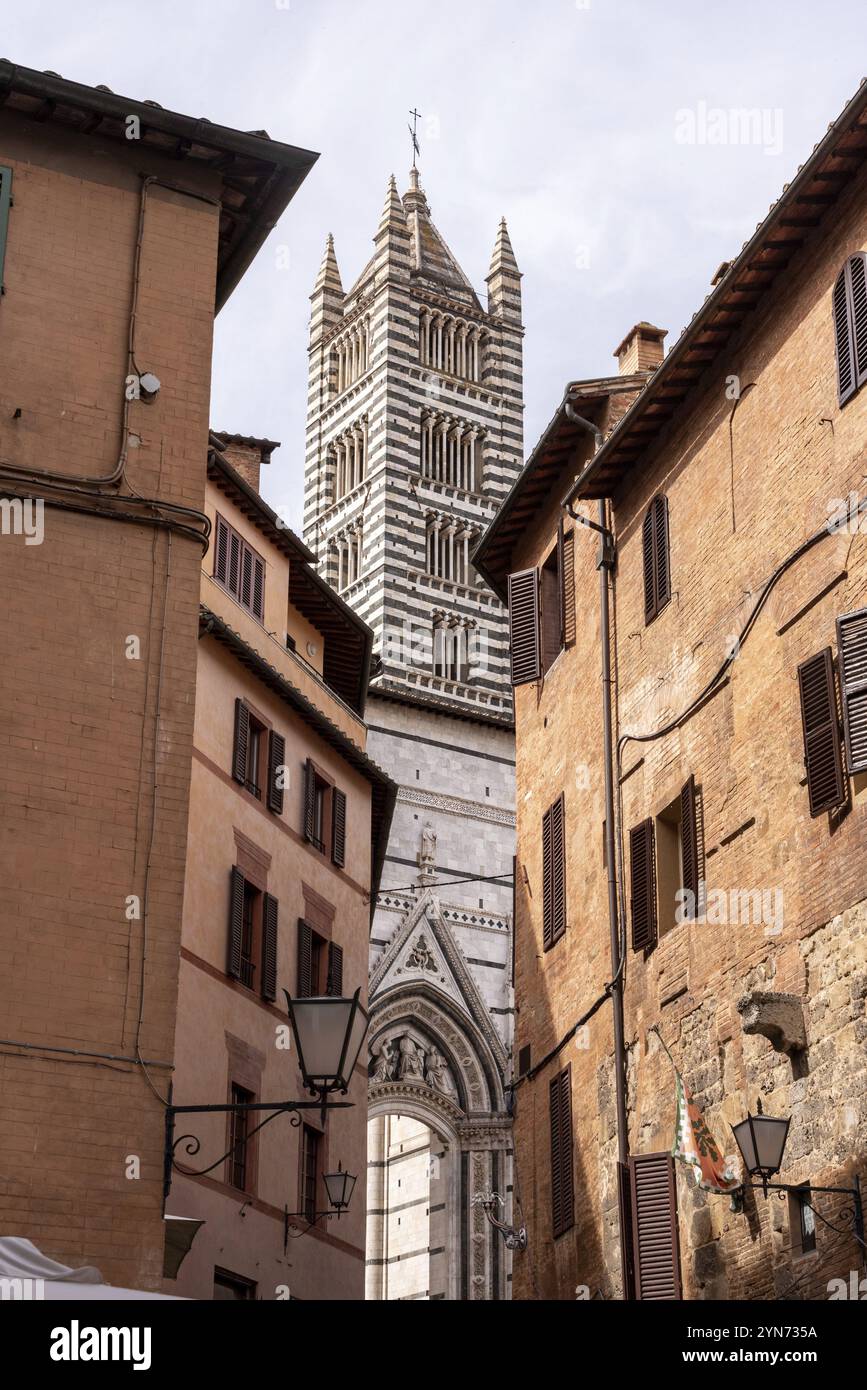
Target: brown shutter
562	1187
246	576
547	883
852	655
242	742
858	284
269	947
221	551
642	852
335	969
258	588
654	1227
648	565
524	627
661	568
304	987
276	765
561	584
309	801
338	827
558	867
236	924
233	573
689	847
822	755
627	1252
843	339
567	581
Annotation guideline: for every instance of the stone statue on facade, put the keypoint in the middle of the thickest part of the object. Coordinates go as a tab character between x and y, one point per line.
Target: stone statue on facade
436	1072
411	1064
421	956
426	857
383	1062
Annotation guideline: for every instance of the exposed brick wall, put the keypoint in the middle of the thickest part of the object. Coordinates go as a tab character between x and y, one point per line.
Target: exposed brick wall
92	785
745	487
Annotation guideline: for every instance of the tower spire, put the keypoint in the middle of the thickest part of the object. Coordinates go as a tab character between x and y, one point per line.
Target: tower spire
504	278
327	298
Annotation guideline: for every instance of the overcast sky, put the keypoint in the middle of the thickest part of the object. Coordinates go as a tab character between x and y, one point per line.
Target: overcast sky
592	125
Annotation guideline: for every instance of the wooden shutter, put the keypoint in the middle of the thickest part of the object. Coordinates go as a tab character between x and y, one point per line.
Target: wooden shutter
627	1251
661	566
567	587
269	947
648	566
236	924
858	286
562	1188
246	577
689	847
338	827
258	600
642	853
309	801
276	766
554	873
242	742
5	205
843	339
233	582
304	986
221	551
654	1227
852	655
822	753
524	627
335	969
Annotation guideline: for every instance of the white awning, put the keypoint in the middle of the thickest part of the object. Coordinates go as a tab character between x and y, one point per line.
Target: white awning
28	1274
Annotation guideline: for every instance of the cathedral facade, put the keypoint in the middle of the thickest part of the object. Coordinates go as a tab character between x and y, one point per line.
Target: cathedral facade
414	438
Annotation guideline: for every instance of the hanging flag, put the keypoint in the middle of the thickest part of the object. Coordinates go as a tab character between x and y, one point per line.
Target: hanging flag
694	1144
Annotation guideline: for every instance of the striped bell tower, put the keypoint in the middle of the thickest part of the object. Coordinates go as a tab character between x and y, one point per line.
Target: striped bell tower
414	437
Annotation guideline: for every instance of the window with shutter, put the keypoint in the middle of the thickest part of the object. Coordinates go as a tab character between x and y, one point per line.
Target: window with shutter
524	627
338	828
562	1186
236	924
642	853
821	731
554	873
655	558
276	771
689	849
655	1239
567	587
524	1057
241	745
627	1253
852	654
849	308
309	802
239	568
269	947
334	983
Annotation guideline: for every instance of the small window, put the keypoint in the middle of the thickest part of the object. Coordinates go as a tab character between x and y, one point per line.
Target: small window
240	569
655	558
320	964
311	1149
240	1168
802	1221
232	1286
252	944
5	204
562	1182
249	933
554	873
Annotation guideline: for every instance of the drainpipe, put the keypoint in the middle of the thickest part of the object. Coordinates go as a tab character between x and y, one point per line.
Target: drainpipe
606	562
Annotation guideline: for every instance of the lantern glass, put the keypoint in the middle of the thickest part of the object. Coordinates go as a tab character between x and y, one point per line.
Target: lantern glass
328	1032
339	1187
761	1140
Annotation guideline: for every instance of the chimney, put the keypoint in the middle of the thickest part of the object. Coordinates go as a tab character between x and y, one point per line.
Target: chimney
641	349
245	454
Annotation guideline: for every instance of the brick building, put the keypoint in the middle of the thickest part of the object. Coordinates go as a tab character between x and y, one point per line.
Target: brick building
123	229
714	897
288	826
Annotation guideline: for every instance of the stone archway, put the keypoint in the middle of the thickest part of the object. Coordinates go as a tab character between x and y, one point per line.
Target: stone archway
429	1064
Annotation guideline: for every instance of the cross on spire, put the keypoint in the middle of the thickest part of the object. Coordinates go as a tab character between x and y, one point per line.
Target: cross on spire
413	131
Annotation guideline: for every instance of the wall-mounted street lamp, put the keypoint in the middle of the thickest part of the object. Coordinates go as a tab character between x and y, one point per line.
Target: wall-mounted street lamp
762	1140
328	1034
515	1238
339	1186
